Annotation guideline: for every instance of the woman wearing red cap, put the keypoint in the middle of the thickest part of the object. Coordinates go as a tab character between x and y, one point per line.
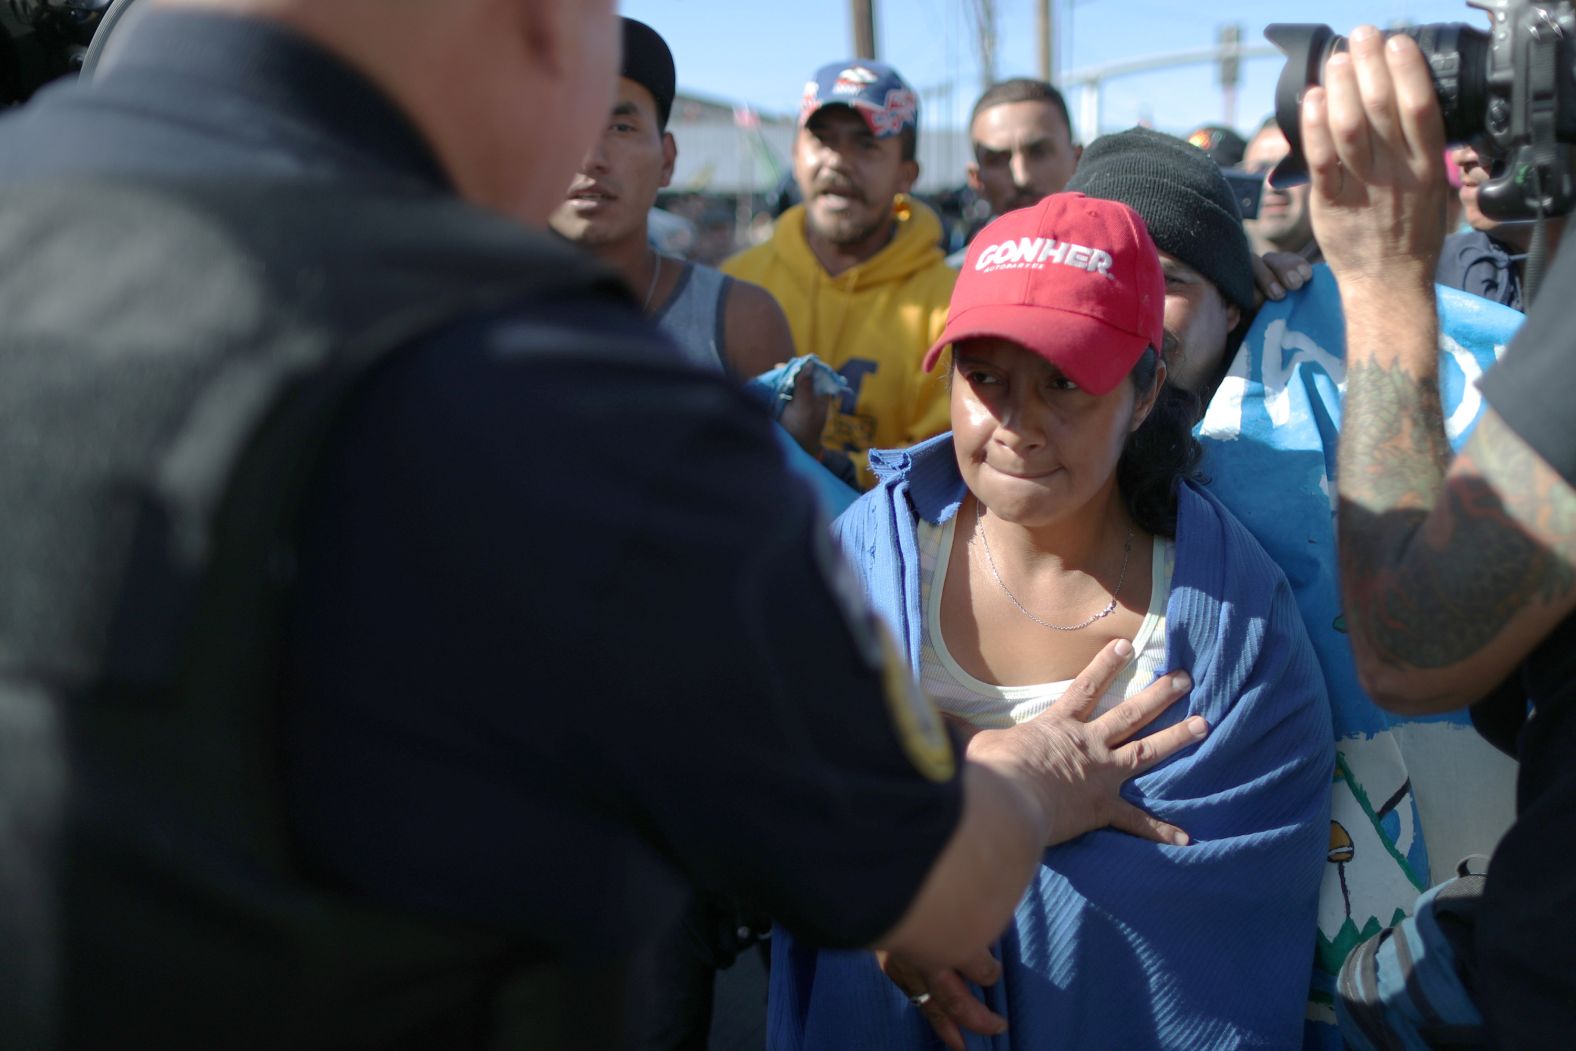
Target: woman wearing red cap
1056	518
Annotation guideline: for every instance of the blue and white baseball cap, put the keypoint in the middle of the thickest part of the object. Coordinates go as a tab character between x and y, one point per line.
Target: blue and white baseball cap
875	91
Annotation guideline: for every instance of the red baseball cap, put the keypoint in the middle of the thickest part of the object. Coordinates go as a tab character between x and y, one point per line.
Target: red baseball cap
1074	279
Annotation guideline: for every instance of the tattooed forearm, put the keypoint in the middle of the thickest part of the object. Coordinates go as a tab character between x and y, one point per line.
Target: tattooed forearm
1430	590
1442	599
1540	506
1393	447
1391	472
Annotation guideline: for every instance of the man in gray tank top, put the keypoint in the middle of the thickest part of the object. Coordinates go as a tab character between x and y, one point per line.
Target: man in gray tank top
717	322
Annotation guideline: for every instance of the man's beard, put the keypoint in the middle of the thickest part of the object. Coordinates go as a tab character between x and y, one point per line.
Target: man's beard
845	231
1289	225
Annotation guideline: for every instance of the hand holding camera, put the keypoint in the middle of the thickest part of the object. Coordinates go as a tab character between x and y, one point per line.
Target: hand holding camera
1374	143
1510	91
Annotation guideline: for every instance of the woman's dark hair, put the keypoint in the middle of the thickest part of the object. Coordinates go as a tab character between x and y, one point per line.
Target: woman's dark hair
1160	454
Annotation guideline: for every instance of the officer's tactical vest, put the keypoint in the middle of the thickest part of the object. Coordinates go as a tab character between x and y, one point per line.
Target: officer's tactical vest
170	360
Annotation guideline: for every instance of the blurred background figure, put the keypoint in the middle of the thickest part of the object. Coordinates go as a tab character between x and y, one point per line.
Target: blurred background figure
858	266
1489	258
1224	146
1283	224
1024	147
1454	209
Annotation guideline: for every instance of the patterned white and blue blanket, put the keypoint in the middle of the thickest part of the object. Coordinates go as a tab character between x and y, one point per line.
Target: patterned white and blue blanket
1411	796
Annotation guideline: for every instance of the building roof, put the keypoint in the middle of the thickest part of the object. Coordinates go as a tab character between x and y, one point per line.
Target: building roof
725	150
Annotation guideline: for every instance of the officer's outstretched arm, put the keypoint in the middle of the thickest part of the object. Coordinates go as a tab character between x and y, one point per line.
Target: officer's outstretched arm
1044	782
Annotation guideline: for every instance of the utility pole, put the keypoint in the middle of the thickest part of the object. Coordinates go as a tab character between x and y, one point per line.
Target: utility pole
985	14
864	28
1230	69
1045	36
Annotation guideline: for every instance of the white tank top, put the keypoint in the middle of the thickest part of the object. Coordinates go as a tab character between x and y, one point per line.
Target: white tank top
993	707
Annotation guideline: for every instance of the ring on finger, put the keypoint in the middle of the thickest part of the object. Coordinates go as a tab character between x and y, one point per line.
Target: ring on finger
921	1000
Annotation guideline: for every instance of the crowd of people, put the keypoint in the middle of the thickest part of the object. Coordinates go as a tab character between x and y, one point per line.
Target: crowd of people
418	631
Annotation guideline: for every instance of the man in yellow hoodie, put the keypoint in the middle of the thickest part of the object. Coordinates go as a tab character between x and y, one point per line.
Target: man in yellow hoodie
858	267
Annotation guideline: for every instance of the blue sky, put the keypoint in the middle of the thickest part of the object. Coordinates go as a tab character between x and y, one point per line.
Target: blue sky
761	52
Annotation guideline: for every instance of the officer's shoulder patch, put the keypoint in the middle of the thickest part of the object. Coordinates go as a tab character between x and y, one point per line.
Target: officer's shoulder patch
919	726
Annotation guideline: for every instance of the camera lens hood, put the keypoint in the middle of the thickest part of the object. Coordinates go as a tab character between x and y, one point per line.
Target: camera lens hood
1306	46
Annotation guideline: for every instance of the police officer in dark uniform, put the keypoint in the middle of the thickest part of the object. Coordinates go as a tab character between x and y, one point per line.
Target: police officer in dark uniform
390	625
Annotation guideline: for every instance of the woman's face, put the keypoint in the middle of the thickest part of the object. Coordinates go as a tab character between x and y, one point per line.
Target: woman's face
1032	446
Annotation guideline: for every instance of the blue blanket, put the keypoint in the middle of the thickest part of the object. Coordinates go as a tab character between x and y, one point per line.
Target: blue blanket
1404	789
1120	942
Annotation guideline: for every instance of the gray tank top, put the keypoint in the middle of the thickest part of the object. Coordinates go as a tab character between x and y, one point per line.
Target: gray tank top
693	316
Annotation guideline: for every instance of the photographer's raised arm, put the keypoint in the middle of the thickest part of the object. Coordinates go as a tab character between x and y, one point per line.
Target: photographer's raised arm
1452	570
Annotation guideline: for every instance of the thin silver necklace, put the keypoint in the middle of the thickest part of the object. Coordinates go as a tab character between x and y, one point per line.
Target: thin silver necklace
1121	578
656	272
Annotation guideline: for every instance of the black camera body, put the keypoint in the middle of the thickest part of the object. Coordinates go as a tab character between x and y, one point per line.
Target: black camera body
1511	92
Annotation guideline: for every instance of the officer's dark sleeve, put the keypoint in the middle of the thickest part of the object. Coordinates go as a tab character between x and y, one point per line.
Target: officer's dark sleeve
558	598
762	741
1529	388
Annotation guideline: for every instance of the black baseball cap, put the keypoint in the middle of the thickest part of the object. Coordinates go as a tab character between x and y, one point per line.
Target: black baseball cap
649	63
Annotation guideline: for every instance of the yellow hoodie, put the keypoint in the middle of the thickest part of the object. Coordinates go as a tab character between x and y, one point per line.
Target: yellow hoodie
873	323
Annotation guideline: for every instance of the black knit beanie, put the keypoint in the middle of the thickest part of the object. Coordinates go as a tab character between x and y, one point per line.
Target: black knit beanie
649	63
1183	199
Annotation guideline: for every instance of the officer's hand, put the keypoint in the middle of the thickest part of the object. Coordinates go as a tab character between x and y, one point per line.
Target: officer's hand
1276	273
1075	767
1375	145
943	996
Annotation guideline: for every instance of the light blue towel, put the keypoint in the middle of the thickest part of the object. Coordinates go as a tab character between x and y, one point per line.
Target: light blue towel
774	389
